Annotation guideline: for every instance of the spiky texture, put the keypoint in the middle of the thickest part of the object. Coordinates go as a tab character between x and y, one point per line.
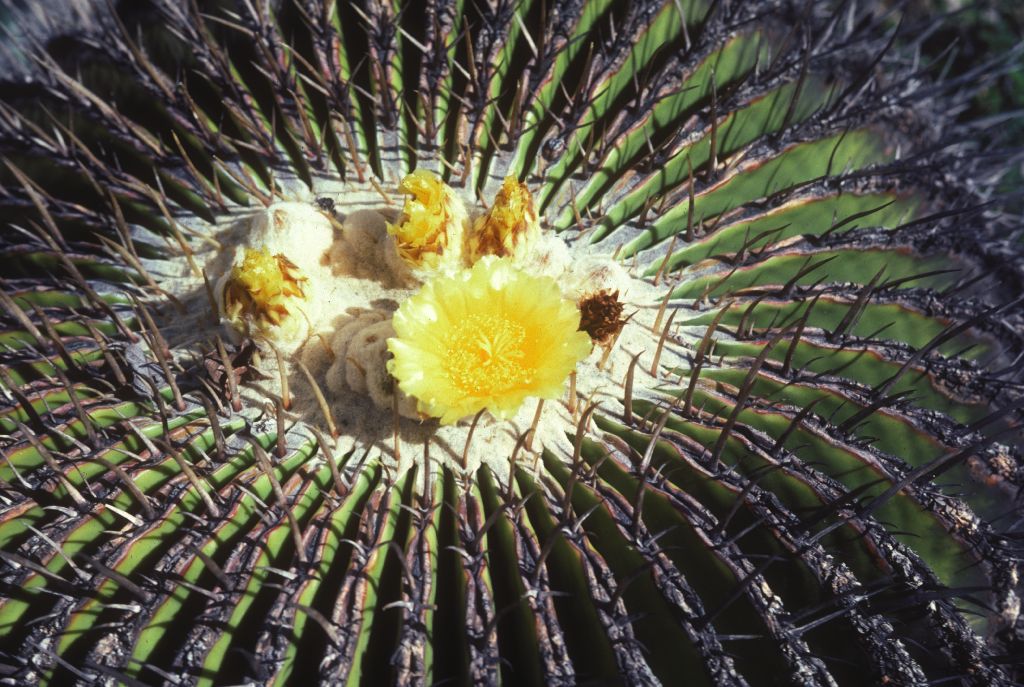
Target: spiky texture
826	492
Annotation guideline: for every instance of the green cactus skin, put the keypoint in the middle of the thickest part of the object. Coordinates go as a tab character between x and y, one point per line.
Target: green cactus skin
827	492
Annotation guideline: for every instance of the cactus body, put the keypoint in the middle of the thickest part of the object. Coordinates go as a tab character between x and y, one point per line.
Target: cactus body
808	477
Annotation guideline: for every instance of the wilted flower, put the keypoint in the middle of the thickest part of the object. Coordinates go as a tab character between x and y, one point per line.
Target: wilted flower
429	232
601	316
262	292
511	222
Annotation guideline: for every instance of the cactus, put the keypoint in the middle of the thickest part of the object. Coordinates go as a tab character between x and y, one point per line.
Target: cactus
803	467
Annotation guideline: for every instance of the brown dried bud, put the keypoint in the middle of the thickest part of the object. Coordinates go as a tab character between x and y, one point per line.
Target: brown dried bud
601	316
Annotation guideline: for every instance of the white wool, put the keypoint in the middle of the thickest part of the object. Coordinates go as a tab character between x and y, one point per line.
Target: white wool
296	230
366	368
546	255
595	273
361	250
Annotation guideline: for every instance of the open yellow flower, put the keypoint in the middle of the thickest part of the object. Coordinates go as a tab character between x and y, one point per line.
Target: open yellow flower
429	232
511	223
486	337
262	291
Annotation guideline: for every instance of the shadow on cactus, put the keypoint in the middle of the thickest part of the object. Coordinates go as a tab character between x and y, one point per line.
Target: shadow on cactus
514	342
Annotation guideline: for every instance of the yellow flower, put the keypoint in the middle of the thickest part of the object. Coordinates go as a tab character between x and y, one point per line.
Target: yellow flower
486	337
429	232
510	223
262	291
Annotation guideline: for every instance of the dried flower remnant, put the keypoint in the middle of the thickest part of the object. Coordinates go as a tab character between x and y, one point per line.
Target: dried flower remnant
488	337
601	316
262	293
429	233
510	225
242	366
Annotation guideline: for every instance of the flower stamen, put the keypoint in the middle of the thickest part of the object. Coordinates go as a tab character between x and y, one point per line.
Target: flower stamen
487	354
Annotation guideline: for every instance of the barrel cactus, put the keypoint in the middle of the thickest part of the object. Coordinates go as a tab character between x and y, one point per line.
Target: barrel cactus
522	342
